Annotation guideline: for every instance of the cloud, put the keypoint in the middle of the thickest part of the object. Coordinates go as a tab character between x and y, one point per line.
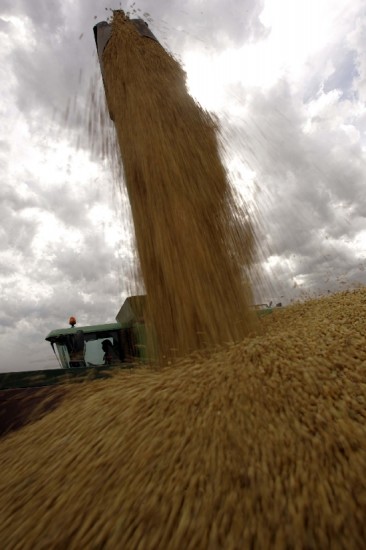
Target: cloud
356	40
309	165
288	84
4	25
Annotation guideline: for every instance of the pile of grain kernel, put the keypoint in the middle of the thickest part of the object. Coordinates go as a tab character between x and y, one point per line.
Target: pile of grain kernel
192	243
260	445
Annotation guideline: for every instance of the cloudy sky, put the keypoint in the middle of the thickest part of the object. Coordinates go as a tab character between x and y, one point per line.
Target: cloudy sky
287	79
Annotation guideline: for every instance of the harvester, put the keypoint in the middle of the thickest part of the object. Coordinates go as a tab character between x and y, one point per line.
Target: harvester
114	344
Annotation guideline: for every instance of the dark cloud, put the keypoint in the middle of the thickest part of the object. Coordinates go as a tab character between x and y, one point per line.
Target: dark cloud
4	26
307	158
44	14
4	146
11	198
211	24
92	263
335	68
344	72
311	202
44	80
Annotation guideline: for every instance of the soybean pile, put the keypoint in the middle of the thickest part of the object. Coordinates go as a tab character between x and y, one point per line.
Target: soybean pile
194	246
259	445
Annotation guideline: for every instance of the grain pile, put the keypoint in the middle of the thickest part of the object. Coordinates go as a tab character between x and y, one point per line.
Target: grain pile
262	445
193	244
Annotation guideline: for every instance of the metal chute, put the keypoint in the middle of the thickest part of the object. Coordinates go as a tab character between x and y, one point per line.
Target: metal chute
103	32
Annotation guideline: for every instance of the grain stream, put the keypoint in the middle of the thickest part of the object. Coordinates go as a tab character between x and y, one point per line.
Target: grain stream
194	245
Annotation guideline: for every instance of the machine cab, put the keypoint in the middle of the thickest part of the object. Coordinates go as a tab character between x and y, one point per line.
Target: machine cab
109	344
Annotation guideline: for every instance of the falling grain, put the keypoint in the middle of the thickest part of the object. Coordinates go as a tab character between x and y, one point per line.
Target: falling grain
194	247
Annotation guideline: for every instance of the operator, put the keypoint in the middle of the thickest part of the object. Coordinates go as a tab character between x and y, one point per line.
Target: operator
110	355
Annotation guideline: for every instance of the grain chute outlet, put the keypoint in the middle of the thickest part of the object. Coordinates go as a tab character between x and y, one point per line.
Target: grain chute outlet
102	35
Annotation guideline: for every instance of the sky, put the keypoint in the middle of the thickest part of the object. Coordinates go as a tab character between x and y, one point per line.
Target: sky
287	81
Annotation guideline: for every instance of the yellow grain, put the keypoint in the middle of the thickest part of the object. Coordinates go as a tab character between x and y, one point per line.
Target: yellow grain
235	450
